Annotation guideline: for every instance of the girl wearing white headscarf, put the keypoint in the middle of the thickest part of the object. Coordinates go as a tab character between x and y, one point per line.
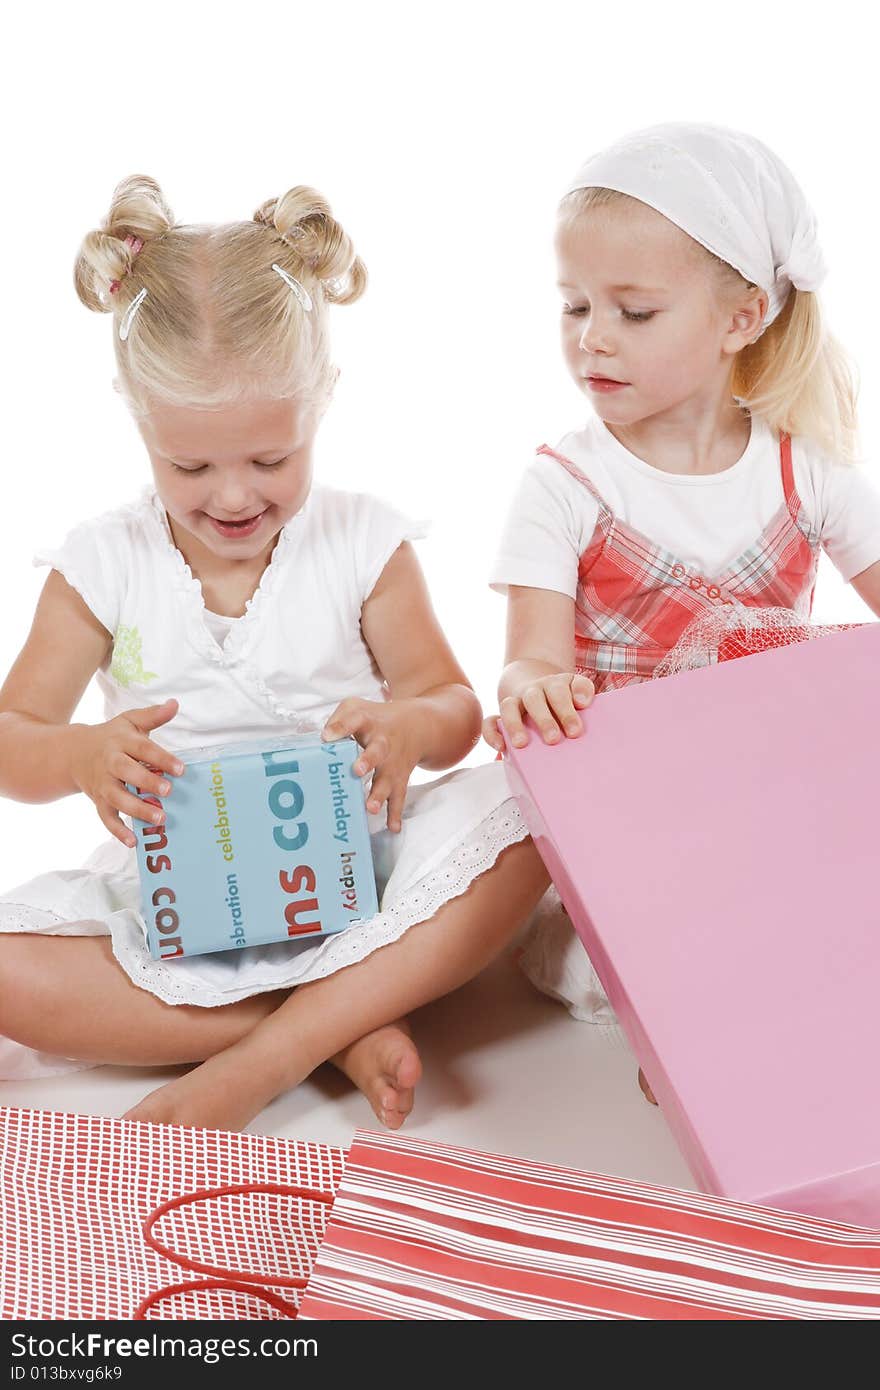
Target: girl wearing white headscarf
713	468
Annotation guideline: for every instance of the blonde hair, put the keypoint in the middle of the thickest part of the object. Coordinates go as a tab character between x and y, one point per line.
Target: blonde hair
218	326
796	376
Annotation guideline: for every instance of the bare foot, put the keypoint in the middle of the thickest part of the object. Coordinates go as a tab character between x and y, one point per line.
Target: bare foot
221	1093
646	1089
385	1065
225	1092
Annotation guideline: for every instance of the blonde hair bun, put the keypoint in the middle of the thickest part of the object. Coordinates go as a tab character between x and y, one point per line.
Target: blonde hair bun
137	208
303	219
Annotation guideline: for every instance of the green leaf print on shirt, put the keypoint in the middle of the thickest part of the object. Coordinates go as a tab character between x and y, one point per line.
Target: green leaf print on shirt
127	664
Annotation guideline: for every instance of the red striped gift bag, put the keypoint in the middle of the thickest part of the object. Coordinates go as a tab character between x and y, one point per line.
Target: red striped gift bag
422	1230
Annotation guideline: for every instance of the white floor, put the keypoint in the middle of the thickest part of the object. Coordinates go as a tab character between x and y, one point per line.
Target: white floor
505	1070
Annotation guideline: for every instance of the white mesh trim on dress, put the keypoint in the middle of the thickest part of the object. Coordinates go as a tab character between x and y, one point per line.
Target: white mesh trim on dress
761	629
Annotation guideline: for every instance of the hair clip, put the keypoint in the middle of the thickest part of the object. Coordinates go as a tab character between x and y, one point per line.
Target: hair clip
299	290
125	325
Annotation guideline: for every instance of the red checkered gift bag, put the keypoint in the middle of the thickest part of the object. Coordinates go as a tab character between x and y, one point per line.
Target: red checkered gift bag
106	1218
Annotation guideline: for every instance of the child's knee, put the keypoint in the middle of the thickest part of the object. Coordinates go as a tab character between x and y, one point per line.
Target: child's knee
523	859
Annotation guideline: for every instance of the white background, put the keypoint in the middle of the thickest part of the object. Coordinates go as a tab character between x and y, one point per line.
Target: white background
442	138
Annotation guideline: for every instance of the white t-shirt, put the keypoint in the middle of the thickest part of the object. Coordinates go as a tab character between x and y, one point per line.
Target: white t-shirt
706	521
283	666
219	625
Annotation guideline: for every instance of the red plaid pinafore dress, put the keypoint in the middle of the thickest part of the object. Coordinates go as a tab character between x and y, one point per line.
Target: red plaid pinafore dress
634	599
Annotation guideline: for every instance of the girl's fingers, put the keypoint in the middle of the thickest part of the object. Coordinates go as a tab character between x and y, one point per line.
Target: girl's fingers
378	794
146	751
334	728
560	701
511	718
151	716
167	762
395	805
346	720
116	826
492	733
390	785
582	691
146	781
121	800
370	757
535	701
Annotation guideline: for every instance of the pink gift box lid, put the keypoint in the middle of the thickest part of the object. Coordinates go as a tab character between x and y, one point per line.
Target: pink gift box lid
714	838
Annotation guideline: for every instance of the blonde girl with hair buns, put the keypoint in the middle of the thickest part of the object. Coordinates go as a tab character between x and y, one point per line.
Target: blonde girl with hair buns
237	598
716	461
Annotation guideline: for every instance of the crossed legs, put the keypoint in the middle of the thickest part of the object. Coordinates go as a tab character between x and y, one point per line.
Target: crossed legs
68	996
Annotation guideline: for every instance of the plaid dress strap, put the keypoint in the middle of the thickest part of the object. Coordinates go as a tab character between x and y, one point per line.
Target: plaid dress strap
779	570
634	598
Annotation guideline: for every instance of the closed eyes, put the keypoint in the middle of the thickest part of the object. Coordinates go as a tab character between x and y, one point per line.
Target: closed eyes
630	315
202	466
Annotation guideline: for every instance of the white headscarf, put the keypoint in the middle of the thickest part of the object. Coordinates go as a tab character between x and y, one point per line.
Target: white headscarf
726	190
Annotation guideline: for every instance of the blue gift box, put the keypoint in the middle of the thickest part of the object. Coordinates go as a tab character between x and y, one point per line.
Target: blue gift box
262	842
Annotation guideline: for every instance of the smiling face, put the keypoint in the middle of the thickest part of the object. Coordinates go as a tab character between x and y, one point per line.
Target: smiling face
230	479
642	309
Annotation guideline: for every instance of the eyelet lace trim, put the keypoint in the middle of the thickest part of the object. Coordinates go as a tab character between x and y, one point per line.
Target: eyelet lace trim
477	853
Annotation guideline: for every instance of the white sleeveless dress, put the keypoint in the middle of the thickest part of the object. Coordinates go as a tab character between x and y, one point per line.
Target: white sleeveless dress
282	667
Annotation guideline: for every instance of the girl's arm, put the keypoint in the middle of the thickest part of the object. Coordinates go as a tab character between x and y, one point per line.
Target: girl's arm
540	642
411	650
42	755
867	586
65	647
433	717
539	678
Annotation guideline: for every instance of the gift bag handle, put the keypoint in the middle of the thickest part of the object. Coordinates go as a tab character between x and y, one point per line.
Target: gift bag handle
237	1280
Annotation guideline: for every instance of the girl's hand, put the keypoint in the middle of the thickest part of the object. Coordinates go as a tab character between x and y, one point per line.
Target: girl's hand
106	756
390	737
551	702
